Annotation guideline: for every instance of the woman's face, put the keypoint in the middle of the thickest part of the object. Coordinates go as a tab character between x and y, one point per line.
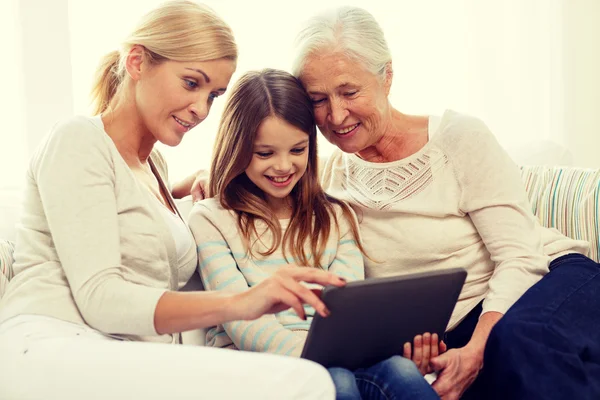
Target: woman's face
173	97
350	103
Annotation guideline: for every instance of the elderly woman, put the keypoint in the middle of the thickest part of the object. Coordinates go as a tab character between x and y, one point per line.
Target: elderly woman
439	192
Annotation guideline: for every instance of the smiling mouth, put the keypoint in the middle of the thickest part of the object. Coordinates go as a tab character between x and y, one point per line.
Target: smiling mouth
279	179
347	130
185	124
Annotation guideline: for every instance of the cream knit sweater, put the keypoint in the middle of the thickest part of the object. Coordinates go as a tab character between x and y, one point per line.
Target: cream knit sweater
92	247
458	202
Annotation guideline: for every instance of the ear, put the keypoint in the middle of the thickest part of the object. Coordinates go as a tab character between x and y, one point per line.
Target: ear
389	75
134	61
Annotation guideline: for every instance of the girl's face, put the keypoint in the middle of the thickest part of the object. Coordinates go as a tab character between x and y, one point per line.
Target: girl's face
280	158
173	97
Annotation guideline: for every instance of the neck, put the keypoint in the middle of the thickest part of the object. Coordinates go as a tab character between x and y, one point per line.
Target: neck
402	136
282	208
131	137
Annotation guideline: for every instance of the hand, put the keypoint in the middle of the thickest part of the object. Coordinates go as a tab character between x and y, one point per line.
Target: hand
199	188
426	347
457	369
282	290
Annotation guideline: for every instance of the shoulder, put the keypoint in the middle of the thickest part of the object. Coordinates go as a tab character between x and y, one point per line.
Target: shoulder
76	130
345	219
329	166
334	159
208	219
211	210
78	140
458	126
462	135
339	209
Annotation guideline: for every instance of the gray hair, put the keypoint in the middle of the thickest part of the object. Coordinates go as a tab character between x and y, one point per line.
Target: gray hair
352	31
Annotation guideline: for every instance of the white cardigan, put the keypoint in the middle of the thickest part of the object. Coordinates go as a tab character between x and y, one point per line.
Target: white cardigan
92	247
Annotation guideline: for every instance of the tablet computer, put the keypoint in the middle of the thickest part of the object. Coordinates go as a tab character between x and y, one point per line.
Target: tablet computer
372	319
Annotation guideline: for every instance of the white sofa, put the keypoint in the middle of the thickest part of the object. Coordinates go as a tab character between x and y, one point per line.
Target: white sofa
566	198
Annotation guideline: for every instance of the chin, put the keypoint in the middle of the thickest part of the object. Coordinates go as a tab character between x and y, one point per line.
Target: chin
349	148
280	196
171	141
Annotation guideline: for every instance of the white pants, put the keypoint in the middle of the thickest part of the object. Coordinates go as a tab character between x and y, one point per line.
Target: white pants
46	358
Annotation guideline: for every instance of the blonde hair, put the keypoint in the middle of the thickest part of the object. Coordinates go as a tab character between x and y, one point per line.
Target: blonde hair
177	30
351	31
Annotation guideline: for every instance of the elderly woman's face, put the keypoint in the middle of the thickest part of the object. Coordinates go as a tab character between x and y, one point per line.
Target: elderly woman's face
349	101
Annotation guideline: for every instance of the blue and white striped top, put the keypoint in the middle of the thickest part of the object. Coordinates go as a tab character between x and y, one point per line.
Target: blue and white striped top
225	265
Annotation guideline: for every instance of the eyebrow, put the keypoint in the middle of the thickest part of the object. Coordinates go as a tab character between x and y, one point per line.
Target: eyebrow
305	141
340	86
206	77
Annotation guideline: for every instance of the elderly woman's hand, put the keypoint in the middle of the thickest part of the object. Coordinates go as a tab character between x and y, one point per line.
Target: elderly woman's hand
457	370
283	290
426	347
199	188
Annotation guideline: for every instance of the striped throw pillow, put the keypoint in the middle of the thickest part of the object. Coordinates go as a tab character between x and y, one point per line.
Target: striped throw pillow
566	198
6	261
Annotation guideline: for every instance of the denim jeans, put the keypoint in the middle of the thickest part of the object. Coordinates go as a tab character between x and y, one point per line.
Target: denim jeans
547	346
396	378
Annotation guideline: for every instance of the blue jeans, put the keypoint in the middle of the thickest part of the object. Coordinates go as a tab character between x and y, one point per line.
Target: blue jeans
396	378
547	346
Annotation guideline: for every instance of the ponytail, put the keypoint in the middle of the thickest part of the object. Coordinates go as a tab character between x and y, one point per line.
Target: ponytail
106	82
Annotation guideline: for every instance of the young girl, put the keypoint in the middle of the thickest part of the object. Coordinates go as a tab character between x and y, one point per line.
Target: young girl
266	211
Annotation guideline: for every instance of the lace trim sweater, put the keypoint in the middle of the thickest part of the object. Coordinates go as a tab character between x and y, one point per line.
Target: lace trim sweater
458	202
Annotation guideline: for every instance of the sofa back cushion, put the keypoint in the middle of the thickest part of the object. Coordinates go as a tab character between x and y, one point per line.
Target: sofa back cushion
6	261
566	198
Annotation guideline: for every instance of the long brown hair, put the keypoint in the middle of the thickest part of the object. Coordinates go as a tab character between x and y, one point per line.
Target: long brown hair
256	96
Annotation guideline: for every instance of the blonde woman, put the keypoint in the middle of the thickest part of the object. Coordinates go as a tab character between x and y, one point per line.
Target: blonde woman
93	310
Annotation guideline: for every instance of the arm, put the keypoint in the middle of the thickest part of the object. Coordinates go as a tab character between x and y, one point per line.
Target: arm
348	262
219	271
75	176
74	173
194	184
494	197
183	188
76	181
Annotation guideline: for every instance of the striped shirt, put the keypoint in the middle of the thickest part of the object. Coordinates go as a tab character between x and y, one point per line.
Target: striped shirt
224	264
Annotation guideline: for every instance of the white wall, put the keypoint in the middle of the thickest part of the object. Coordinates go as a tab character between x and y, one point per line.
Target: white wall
46	65
529	68
582	80
36	76
13	147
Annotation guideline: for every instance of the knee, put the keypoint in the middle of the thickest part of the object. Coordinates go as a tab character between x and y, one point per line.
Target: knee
399	366
342	377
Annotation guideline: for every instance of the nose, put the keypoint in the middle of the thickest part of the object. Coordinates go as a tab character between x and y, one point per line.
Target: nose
337	112
200	108
283	164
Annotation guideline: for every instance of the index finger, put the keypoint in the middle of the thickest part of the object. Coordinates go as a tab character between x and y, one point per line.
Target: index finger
306	296
313	275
